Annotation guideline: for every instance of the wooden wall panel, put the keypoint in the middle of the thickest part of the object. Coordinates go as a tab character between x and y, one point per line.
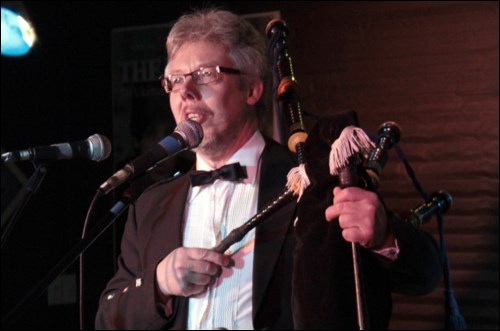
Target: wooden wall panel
433	68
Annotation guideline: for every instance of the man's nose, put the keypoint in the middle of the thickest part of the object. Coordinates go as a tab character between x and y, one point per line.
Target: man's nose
189	88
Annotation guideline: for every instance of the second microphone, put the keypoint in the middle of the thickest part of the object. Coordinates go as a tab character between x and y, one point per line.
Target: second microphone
187	135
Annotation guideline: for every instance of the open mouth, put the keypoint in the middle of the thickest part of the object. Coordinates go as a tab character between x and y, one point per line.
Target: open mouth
194	117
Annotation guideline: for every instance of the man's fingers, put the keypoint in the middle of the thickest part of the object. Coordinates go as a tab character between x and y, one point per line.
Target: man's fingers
332	213
199	279
209	255
204	267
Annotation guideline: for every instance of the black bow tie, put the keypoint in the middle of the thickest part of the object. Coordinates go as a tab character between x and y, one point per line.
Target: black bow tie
232	172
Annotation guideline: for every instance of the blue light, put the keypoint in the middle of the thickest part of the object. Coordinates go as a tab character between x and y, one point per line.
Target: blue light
17	34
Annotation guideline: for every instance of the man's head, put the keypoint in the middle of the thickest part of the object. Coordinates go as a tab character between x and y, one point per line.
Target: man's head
214	76
246	46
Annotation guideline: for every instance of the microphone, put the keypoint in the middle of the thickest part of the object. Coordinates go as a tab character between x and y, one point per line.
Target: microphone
439	202
96	148
187	135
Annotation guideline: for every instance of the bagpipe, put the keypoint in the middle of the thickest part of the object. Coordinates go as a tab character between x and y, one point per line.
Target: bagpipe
335	152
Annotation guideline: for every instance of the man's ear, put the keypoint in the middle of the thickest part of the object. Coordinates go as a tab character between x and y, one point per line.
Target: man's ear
255	91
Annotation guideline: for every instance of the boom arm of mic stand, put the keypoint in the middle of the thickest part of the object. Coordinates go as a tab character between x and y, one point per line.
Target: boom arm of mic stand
68	259
22	201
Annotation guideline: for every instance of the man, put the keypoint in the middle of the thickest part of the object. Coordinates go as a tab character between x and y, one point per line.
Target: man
168	276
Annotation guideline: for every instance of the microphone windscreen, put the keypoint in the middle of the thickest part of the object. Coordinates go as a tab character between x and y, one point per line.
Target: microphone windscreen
99	147
191	132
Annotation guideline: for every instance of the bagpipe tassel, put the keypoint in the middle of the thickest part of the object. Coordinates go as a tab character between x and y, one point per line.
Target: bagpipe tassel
351	141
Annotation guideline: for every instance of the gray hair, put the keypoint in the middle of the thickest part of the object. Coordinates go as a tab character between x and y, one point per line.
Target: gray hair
247	48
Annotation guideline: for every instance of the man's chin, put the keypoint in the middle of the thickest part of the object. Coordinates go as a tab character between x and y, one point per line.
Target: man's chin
208	144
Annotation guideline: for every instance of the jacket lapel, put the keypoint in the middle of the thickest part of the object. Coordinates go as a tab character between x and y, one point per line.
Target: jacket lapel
271	233
168	218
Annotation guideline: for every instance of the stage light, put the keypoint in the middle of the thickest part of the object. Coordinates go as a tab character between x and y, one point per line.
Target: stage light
18	35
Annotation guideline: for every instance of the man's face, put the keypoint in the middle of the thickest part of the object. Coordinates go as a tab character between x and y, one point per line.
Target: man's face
221	107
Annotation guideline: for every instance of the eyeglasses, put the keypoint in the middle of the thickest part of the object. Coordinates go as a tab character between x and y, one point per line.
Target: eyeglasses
201	76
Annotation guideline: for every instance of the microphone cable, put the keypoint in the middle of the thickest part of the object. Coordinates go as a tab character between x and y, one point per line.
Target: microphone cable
81	304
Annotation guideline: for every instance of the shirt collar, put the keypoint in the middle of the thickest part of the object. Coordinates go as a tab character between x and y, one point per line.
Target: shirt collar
248	155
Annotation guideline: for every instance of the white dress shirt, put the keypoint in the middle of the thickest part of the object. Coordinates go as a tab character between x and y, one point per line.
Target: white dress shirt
212	212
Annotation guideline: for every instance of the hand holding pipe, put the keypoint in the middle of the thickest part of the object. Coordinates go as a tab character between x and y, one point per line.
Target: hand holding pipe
389	134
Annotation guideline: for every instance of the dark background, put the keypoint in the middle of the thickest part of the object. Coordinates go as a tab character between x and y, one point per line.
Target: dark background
430	66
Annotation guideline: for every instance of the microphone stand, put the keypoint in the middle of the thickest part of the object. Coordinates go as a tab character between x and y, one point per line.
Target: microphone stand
69	258
128	197
29	189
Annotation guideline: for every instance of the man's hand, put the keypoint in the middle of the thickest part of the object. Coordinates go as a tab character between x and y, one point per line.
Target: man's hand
189	271
361	216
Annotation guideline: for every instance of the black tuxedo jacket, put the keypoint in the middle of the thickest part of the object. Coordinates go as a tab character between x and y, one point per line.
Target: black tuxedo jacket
155	228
